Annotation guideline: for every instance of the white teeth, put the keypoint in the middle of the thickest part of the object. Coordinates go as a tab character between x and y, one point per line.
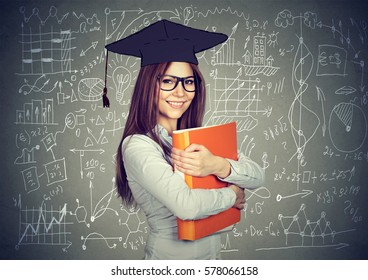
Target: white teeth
175	103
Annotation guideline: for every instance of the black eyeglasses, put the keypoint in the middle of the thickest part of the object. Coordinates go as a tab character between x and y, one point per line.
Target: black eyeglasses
169	82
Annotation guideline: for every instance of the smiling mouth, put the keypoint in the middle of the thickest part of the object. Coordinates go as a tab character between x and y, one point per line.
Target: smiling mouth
176	104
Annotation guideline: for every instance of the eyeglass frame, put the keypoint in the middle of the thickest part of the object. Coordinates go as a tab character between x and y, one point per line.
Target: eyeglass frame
179	79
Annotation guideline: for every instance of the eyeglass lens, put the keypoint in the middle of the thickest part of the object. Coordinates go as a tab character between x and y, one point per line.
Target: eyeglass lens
168	82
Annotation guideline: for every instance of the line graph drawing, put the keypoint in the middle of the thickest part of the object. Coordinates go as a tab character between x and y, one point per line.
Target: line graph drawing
27	156
237	100
45	87
36	14
300	231
229	9
42	226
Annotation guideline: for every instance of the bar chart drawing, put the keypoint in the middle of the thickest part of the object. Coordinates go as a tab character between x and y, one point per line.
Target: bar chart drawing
226	54
36	112
255	61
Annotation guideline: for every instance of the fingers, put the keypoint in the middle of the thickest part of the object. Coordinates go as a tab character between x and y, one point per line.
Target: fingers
190	151
183	163
194	148
188	162
181	155
239	205
240	196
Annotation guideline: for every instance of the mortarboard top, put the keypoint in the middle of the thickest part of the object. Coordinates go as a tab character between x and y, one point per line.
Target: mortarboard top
165	41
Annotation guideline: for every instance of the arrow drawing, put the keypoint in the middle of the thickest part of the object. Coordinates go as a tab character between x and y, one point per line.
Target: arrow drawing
303	194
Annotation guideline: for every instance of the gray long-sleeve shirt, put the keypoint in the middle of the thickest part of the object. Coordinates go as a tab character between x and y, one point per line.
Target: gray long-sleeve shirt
163	196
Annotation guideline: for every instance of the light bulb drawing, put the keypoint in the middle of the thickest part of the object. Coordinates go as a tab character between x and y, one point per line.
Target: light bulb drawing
188	15
121	78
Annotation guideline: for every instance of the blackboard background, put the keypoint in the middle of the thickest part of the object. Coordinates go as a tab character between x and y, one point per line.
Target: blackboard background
301	113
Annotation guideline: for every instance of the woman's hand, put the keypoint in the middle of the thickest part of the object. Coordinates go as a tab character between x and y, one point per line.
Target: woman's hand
240	196
197	160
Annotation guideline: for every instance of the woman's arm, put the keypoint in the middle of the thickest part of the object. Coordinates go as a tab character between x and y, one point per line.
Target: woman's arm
197	160
146	166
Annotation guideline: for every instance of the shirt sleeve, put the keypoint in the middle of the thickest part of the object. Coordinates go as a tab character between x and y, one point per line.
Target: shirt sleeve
145	164
245	173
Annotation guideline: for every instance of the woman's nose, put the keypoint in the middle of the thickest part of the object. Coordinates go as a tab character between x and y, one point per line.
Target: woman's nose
179	90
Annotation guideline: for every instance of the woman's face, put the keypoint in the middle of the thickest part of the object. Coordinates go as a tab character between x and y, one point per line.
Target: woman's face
173	103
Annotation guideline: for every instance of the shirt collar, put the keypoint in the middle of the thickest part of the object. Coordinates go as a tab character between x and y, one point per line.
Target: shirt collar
164	135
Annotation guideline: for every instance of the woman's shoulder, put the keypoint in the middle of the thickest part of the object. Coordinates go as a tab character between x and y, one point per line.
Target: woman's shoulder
140	142
138	148
136	139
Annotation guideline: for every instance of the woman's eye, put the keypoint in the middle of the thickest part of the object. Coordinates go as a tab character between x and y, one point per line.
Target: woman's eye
189	82
167	81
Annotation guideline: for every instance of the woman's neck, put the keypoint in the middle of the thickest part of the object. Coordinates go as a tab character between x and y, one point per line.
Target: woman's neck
170	126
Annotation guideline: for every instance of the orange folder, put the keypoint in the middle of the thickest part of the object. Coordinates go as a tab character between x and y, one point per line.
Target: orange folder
220	140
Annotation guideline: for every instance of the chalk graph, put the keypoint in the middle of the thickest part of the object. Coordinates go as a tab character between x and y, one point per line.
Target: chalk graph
236	99
44	226
300	231
36	112
46	52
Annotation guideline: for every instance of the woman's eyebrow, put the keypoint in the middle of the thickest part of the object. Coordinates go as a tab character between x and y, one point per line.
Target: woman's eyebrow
186	77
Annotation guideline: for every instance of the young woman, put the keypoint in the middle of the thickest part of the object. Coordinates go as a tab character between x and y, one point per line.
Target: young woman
170	95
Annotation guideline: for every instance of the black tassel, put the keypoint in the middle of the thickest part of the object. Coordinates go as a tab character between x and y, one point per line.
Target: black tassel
105	99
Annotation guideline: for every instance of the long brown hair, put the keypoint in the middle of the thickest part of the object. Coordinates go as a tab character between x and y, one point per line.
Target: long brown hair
144	112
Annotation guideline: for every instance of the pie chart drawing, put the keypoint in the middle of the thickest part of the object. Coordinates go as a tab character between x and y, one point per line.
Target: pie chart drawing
90	89
348	127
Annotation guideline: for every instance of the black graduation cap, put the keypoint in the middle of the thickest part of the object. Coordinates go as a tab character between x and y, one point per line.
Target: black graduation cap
164	41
